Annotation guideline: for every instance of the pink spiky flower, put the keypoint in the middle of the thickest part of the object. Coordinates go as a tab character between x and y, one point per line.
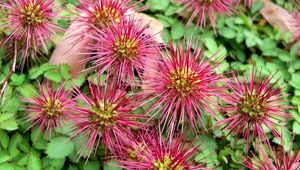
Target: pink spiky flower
252	104
123	49
49	107
182	87
201	10
31	24
102	13
272	159
106	117
150	150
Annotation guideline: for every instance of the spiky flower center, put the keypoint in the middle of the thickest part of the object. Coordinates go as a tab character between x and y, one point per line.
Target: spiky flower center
166	164
208	2
252	105
103	114
183	80
31	14
52	107
105	16
126	47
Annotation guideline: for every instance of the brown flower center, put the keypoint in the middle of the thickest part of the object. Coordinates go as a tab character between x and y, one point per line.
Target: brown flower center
183	80
105	16
252	105
166	164
52	107
103	114
31	14
208	2
126	47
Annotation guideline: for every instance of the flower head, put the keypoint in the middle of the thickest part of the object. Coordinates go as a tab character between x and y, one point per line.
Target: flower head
49	107
124	49
272	159
200	10
152	151
30	24
107	116
182	87
254	103
102	13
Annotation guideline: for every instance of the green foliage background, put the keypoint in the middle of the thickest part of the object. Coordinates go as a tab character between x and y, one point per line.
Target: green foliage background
240	38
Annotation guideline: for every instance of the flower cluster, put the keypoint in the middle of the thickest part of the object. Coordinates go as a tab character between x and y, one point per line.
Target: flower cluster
173	88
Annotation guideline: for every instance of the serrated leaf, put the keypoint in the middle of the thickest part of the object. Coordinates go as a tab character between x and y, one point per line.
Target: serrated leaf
17	80
59	147
53	75
10	124
34	162
35	72
207	154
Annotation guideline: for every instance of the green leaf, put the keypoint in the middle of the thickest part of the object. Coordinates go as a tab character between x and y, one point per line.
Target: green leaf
207	154
92	166
10	124
37	139
211	44
296	128
284	55
34	162
21	159
7	166
4	156
26	90
227	32
17	80
35	72
156	5
177	30
295	81
257	5
53	75
59	147
4	138
15	141
111	165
